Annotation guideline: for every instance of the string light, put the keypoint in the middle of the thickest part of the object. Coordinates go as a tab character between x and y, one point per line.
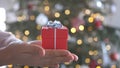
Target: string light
32	17
90	19
102	18
79	41
95	15
95	52
98	66
67	12
46	8
95	39
19	18
87	60
87	11
81	27
26	32
99	61
91	52
10	66
73	30
39	37
23	17
77	66
67	63
26	66
108	47
38	27
57	14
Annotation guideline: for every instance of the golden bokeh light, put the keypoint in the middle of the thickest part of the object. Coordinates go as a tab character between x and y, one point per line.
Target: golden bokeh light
39	37
32	17
81	27
73	30
108	47
77	66
98	66
26	32
67	12
87	60
91	52
38	27
99	61
26	66
19	18
95	39
57	15
79	41
95	52
23	17
90	19
46	8
87	11
67	63
10	66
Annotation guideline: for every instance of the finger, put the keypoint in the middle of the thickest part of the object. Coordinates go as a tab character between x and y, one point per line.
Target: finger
37	42
57	60
75	57
55	53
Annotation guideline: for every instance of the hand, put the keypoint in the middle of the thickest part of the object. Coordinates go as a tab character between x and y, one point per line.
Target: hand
54	57
33	54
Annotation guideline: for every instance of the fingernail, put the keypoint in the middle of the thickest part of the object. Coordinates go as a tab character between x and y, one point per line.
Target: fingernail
76	58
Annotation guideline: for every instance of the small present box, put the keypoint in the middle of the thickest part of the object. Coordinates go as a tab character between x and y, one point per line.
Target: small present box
54	38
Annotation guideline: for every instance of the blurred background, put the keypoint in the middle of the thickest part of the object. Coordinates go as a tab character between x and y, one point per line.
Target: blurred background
94	27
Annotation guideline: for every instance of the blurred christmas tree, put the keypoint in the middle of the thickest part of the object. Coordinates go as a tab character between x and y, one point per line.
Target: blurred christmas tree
89	38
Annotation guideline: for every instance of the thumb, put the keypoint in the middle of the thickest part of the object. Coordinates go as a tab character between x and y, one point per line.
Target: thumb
38	43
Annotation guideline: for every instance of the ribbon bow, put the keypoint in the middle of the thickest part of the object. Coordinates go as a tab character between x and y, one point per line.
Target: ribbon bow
55	24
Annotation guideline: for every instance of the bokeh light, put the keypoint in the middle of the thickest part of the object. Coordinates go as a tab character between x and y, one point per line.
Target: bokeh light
67	12
73	30
46	8
79	41
87	60
57	15
81	27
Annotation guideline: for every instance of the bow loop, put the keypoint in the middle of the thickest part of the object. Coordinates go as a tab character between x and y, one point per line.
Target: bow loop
55	24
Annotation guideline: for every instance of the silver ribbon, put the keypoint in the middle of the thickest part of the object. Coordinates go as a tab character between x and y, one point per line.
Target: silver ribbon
55	24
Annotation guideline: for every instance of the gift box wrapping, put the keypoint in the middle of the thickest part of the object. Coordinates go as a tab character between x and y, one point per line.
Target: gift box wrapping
54	38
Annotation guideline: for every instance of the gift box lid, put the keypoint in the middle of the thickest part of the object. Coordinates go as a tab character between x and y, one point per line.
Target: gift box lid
48	32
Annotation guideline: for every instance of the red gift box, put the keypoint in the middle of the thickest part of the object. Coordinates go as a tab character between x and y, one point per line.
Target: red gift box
54	38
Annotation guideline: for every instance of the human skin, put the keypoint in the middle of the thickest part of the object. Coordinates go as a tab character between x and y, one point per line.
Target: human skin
32	54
